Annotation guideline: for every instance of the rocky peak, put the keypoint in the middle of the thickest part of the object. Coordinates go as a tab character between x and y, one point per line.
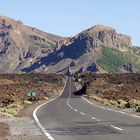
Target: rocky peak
98	35
97	28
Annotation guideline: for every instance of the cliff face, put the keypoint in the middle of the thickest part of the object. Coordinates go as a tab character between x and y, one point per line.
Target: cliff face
99	35
107	36
20	46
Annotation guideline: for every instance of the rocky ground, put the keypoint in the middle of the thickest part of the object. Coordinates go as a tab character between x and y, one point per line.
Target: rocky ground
118	90
16	108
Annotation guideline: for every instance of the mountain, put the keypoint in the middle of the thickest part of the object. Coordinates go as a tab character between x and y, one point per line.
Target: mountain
21	46
98	49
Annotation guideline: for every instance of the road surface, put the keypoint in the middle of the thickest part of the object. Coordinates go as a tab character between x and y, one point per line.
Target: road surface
70	117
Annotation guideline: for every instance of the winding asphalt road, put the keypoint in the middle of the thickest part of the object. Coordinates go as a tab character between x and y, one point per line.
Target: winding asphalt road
70	117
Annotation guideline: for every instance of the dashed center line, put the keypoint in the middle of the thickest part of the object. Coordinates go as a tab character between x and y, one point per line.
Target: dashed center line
93	118
82	113
98	120
71	107
75	110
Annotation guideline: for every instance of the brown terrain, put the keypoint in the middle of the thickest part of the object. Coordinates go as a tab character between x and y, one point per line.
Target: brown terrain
121	90
15	87
14	101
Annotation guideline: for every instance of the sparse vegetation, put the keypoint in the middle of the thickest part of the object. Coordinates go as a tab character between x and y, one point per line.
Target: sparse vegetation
134	103
120	103
15	88
116	90
112	59
12	109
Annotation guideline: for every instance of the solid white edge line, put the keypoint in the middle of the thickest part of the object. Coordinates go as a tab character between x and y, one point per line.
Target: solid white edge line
118	128
136	116
105	108
37	120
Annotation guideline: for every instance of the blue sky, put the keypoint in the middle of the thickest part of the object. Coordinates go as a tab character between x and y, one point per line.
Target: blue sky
69	17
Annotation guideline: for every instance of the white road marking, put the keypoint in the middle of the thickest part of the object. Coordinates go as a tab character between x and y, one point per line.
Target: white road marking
93	118
135	116
98	120
37	120
75	110
69	94
82	113
105	108
118	128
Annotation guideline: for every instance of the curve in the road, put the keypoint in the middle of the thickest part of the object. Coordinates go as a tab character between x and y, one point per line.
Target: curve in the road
71	117
46	133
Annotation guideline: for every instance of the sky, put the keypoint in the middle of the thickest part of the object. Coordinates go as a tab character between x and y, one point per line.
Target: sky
69	17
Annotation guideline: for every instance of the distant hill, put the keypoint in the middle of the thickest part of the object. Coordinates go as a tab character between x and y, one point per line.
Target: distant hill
98	49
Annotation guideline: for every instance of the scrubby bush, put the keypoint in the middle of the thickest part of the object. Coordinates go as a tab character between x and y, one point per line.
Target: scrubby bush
96	98
113	103
12	109
134	103
122	103
105	102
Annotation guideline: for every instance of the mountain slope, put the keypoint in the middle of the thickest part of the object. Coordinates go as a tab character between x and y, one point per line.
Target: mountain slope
113	60
97	49
20	45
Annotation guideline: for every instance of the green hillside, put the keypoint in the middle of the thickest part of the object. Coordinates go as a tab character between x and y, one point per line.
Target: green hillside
112	59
